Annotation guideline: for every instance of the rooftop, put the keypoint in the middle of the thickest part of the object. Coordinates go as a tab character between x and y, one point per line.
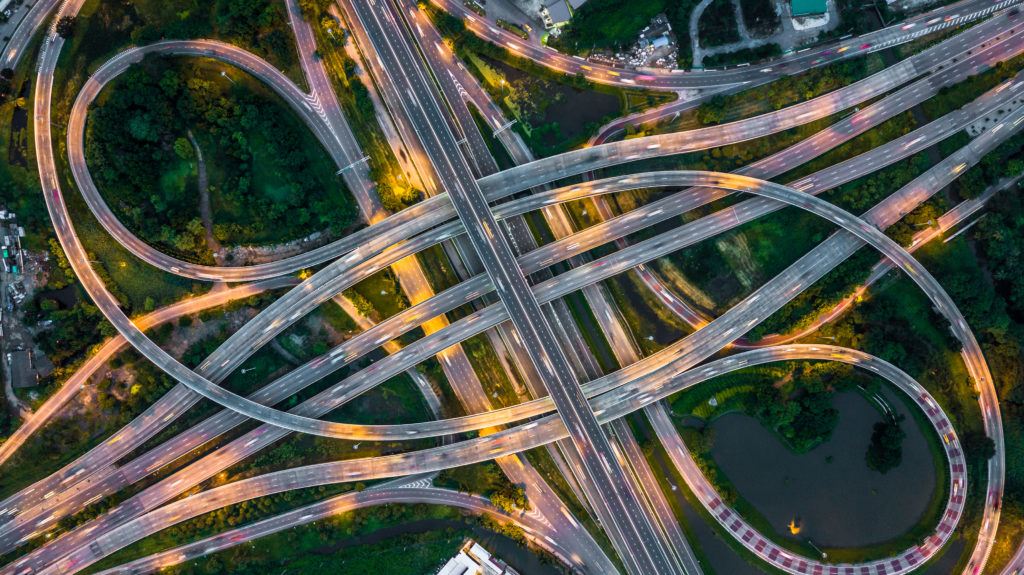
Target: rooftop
805	7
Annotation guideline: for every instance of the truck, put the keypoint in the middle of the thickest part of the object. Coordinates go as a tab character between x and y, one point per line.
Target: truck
513	28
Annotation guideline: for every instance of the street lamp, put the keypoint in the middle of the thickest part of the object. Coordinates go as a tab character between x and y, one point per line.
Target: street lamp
225	74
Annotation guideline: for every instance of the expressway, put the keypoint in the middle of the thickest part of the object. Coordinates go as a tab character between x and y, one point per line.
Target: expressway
640	548
885	152
542	431
585	240
181	399
211	391
115	344
939	19
536	530
439	206
785	290
805	150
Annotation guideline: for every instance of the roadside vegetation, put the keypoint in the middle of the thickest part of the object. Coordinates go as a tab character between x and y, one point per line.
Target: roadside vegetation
270	180
555	112
102	27
717	25
760	16
610	25
743	55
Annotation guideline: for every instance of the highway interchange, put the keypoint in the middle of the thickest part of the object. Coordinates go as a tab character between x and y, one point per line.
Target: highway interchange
424	225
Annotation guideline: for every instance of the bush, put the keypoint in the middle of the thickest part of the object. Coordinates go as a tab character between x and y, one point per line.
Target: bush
886	449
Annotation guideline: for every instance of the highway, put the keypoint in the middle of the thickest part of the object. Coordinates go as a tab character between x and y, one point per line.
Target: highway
536	530
596	157
703	332
178	399
459	87
65	219
115	344
505	442
941	18
590	238
214	392
640	548
857	123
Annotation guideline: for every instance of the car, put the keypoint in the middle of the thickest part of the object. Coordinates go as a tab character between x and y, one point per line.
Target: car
865	46
1012	13
908	26
933	21
816	62
826	52
843	49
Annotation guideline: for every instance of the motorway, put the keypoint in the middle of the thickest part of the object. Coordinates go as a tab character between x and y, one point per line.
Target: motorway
941	18
885	152
640	548
115	344
538	531
611	406
703	331
595	148
48	202
495	186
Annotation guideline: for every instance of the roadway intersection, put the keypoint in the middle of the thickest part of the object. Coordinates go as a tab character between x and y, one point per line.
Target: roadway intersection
468	199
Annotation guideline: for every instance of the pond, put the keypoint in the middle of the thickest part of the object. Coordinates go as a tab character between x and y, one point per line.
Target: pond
838	501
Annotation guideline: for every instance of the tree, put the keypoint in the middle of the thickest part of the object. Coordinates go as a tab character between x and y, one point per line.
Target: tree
978	446
184	149
886	449
66	26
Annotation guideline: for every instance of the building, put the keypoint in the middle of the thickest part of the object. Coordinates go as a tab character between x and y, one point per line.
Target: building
808	7
556	14
472	559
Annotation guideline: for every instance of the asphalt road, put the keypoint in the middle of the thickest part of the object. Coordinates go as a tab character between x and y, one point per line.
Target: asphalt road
536	530
678	203
47	194
507	182
941	18
728	334
545	430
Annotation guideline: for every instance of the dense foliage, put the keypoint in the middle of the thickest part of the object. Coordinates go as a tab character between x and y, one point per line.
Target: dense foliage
612	24
789	90
486	479
261	26
804	418
885	452
717	25
743	55
760	16
136	133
